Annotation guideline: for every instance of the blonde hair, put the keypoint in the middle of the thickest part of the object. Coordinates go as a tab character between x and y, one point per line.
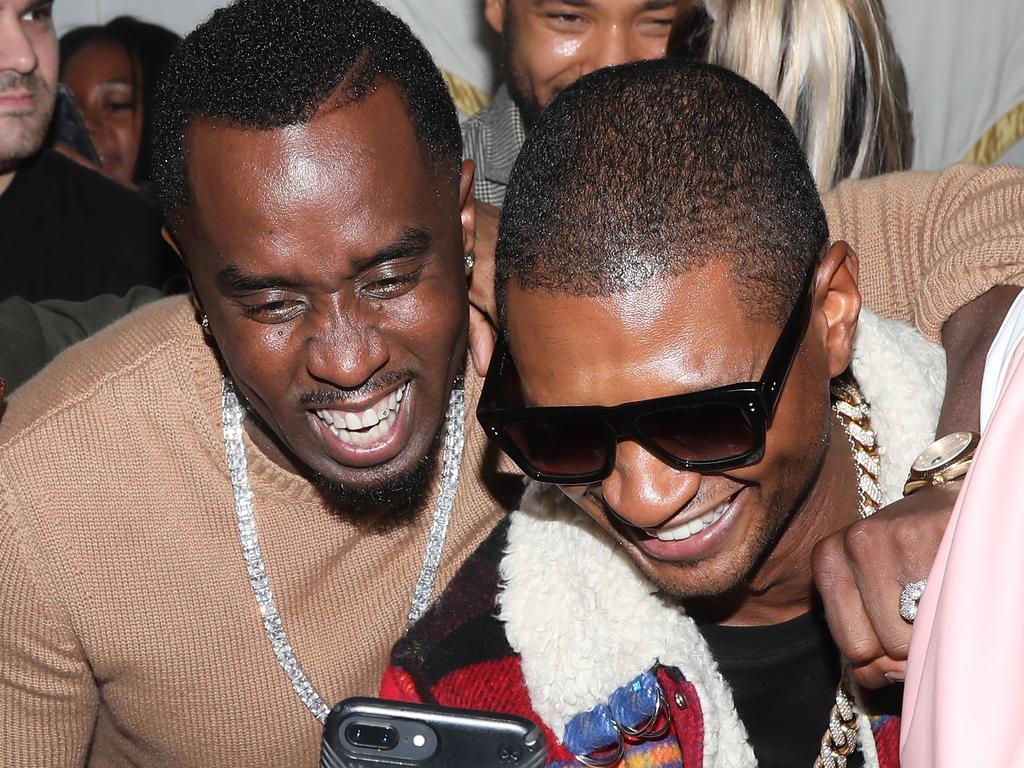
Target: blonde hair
829	64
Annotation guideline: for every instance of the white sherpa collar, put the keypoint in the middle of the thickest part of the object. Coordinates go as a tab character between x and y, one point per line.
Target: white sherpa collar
585	620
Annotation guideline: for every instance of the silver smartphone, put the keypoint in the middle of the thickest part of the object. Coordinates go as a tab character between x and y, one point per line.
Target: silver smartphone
375	733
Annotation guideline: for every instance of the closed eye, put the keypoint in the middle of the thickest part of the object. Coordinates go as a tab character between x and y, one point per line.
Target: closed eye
393	285
659	27
566	21
274	311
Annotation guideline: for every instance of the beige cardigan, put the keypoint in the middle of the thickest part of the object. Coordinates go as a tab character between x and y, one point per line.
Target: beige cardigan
128	631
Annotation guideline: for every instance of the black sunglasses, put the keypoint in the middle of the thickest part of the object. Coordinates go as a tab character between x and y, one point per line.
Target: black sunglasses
709	431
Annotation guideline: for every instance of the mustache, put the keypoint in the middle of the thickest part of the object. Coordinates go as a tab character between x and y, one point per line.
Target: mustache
10	81
334	396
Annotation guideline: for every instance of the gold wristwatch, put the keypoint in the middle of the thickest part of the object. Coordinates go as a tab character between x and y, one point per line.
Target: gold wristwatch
947	459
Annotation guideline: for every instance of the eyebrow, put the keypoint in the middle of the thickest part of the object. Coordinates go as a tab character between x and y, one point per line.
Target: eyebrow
411	242
649	5
35	5
234	279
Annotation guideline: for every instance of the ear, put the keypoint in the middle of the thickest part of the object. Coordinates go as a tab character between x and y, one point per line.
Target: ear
494	12
467	207
172	240
837	296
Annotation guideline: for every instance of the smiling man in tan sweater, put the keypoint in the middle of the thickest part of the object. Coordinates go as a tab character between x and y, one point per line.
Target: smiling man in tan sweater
215	518
237	516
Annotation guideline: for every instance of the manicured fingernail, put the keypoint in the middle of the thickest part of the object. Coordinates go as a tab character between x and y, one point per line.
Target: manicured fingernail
894	677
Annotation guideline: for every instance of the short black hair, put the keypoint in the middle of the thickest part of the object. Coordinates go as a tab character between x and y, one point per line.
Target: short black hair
149	47
651	169
267	64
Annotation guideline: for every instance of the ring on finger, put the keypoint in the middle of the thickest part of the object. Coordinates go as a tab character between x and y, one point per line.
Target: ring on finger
910	598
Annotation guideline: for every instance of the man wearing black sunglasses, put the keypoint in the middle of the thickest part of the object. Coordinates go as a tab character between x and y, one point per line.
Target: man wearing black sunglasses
678	356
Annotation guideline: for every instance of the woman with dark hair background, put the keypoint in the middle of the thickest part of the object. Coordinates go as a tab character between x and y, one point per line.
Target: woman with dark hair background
112	71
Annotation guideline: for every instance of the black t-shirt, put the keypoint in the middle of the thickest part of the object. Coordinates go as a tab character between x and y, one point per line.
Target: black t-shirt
783	679
69	233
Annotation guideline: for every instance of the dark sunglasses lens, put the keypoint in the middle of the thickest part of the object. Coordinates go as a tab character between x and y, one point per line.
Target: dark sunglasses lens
560	448
710	432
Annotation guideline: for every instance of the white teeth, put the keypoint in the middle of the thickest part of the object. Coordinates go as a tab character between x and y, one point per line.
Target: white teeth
366	427
369	418
683	531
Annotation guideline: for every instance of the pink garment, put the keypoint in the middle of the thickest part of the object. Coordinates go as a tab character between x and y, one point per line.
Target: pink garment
963	703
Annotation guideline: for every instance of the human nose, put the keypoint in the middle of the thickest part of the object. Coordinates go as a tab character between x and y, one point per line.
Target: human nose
345	351
608	47
16	50
644	491
94	120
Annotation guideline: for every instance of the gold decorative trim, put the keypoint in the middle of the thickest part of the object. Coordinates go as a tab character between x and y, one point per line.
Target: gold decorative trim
467	97
1004	133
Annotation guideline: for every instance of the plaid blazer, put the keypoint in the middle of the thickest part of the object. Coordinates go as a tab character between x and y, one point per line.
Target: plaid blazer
492	139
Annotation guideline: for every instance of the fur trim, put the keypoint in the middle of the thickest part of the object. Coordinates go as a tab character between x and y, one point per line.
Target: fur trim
866	737
903	376
585	620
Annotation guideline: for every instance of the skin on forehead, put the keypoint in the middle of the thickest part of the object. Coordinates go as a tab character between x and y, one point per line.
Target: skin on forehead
548	44
654	340
329	259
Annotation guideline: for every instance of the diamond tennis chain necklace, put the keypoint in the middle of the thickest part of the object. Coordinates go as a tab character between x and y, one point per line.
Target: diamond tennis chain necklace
232	415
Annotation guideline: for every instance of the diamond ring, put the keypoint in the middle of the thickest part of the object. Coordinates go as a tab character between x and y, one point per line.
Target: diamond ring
910	597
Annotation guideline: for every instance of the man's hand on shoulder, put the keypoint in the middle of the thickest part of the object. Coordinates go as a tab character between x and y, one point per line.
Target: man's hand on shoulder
861	570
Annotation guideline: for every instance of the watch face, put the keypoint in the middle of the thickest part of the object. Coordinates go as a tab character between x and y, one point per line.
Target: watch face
943	451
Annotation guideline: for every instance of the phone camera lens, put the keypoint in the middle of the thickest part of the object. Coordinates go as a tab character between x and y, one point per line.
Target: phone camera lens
372	736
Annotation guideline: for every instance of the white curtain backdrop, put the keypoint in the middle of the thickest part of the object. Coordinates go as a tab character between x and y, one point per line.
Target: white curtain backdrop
454	30
965	65
964	60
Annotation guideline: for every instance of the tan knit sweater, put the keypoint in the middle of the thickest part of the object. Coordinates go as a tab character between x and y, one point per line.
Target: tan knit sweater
126	616
929	243
128	631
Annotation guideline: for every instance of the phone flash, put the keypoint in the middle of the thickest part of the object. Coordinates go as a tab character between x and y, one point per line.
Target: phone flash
419	740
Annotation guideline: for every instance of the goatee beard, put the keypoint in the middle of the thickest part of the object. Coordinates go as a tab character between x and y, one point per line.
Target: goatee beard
398	499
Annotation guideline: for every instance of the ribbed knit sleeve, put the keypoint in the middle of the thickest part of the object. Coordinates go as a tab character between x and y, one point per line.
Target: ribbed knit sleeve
929	243
48	700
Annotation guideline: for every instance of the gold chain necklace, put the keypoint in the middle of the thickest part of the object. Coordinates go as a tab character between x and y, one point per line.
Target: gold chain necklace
852	410
840	739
